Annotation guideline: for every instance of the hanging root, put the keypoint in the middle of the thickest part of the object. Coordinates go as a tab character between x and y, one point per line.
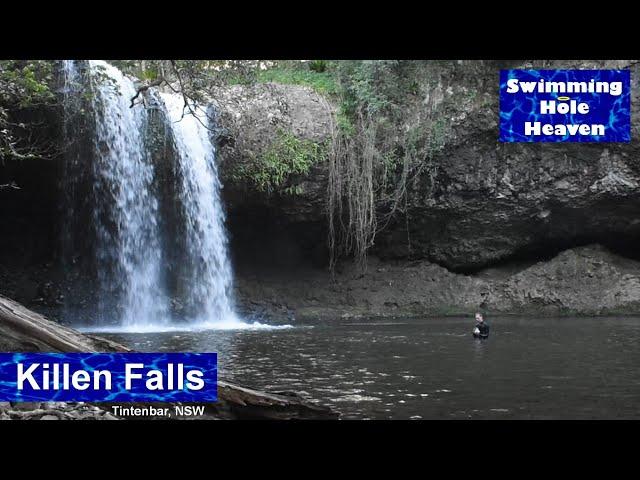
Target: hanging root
368	186
351	194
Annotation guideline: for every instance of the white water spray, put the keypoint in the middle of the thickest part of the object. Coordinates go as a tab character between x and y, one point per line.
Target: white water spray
209	275
129	253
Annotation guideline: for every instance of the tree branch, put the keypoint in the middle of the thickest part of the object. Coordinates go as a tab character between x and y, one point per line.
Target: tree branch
185	97
144	88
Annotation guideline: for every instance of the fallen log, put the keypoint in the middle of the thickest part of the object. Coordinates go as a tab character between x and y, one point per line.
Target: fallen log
22	330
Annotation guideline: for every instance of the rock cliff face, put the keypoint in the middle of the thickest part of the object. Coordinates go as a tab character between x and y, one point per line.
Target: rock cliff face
583	281
479	201
248	120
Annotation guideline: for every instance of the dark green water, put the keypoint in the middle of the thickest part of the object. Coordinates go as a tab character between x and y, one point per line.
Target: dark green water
568	368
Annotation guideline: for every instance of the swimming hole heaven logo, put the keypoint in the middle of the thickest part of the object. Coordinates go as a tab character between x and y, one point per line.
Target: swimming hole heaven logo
109	377
565	106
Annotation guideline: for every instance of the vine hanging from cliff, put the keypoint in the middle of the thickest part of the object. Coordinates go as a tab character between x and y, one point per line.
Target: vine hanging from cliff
374	158
368	187
351	197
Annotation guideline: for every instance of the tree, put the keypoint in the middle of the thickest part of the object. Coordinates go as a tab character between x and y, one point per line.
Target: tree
24	85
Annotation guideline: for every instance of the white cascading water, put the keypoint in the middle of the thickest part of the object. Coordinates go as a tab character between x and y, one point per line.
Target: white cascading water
210	277
129	252
127	220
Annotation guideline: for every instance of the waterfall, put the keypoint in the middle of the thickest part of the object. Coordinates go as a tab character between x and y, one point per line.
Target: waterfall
154	223
209	277
126	217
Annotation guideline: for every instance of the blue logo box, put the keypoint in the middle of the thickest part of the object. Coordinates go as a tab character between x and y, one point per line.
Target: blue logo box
565	106
108	377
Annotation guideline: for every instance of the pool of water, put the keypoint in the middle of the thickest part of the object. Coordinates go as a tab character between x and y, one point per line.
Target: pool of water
565	368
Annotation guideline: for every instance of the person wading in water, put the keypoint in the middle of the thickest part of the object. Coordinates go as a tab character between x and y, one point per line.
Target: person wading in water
481	329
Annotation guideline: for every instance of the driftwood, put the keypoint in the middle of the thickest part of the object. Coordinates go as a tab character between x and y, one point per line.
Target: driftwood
22	330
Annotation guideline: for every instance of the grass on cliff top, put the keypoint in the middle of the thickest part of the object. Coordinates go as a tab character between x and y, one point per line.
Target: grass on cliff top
321	82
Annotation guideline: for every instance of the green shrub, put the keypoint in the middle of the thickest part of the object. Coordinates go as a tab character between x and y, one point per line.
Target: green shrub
318	66
344	122
285	157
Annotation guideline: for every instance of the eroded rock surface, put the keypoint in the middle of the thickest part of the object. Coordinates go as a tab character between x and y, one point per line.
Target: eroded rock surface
583	281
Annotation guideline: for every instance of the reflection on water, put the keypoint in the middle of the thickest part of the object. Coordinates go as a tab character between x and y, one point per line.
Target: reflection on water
433	368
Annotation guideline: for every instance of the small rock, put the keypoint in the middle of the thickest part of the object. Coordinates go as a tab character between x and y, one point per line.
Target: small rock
49	417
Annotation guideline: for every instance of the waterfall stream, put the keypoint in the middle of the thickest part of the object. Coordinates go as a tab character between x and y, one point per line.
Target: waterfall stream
127	214
136	266
209	276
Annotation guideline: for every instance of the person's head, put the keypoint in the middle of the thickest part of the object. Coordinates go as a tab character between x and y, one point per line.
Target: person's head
479	317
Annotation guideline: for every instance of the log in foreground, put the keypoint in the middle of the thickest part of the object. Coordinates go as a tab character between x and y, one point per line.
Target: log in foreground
22	330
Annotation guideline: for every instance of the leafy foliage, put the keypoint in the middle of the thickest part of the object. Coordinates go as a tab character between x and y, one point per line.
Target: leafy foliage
375	87
24	84
318	66
375	153
286	157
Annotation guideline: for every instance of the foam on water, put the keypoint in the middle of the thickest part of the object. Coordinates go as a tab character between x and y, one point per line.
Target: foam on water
191	327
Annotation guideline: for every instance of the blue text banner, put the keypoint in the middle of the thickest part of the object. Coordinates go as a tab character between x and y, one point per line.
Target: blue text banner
108	377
